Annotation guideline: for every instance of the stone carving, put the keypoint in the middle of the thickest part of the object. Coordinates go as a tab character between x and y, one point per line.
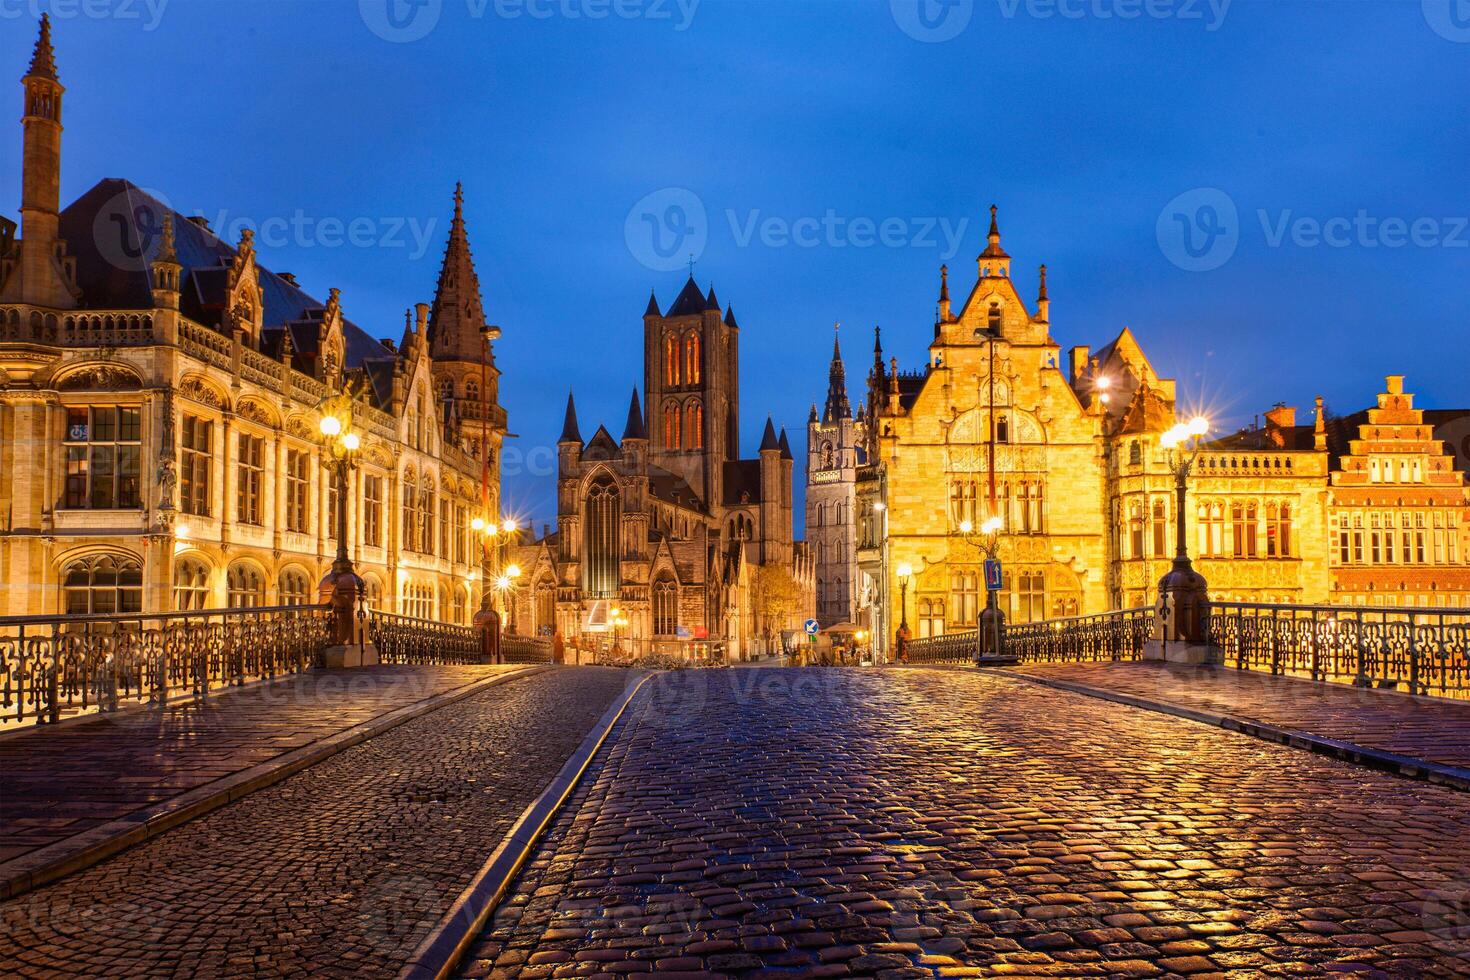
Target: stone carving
198	391
103	377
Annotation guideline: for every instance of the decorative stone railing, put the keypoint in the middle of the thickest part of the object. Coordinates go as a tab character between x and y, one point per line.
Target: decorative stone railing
410	640
1210	463
1421	651
525	649
102	328
52	665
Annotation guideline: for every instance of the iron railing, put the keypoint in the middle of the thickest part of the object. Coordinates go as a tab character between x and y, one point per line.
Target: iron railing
1117	635
410	640
525	649
1419	650
55	664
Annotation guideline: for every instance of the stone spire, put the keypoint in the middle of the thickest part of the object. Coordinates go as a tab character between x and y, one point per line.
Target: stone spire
944	294
458	317
994	261
837	406
634	429
569	430
1043	302
43	59
1319	428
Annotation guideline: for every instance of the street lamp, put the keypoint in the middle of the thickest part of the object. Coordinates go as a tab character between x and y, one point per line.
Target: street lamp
1183	597
905	572
986	540
342	587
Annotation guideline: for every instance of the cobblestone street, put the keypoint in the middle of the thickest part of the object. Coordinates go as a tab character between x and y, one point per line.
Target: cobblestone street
338	871
943	823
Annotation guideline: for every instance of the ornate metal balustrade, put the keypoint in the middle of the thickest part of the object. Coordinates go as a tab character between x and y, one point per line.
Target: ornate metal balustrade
410	640
1422	651
55	664
1117	635
525	649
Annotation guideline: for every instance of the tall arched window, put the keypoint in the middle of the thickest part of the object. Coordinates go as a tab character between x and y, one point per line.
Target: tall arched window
671	425
601	552
472	390
671	361
103	584
294	588
191	585
694	425
665	607
246	586
1031	597
545	607
460	606
691	359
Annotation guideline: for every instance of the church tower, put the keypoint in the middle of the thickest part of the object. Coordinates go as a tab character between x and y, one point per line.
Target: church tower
691	370
835	446
43	275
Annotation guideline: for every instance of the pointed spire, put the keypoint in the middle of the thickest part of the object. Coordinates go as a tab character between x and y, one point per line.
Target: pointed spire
1041	295
457	322
994	260
634	429
994	233
785	444
813	416
166	244
769	443
730	318
569	430
1043	302
837	407
43	58
1319	428
689	301
944	284
710	303
652	309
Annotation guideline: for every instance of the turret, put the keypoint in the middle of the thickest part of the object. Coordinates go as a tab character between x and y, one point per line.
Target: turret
944	314
166	268
993	261
42	279
1043	302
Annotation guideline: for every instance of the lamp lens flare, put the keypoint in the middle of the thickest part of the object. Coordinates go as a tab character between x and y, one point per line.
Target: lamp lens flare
966	527
514	571
509	526
478	524
991	525
331	425
1199	425
905	570
352	442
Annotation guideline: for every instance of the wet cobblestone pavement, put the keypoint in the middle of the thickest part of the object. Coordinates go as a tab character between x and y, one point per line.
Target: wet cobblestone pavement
782	823
339	871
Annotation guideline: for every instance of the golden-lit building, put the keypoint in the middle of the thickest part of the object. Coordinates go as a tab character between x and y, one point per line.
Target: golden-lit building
1065	449
160	395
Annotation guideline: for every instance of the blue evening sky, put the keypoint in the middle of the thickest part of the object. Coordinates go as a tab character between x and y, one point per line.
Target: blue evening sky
1103	137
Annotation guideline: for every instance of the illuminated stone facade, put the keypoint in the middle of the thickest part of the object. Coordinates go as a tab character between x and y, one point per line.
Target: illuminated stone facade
1086	494
159	393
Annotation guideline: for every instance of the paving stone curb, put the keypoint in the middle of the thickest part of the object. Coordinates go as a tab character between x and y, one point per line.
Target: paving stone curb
54	861
1390	762
446	944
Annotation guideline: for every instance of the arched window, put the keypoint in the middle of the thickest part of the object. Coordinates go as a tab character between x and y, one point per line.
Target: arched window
931	617
1135	530
665	607
694	425
374	592
407	540
472	390
246	586
545	607
1031	597
671	425
294	588
102	585
460	605
601	552
1160	528
964	596
191	585
691	359
671	361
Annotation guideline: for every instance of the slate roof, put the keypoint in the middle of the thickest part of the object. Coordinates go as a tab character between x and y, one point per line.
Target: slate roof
689	302
673	489
742	476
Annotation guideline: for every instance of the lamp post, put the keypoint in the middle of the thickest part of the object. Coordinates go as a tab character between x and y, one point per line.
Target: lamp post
493	578
1184	601
990	623
342	588
905	572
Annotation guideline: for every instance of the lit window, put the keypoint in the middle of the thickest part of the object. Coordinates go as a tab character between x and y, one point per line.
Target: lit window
103	449
103	585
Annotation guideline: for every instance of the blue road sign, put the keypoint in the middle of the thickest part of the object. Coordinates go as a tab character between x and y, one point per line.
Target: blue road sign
992	575
811	627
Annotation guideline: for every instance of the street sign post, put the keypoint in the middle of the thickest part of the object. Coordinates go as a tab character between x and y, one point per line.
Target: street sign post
992	575
811	627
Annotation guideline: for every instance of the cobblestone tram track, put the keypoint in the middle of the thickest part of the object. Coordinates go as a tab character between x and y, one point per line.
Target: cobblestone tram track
925	823
339	871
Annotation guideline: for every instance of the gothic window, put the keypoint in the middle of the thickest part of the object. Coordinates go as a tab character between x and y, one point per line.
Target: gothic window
964	596
691	359
1029	508
671	425
294	588
459	606
671	361
191	585
1002	428
1135	530
410	510
1030	597
694	425
545	607
102	458
426	518
1211	529
103	585
1135	453
446	389
665	607
1243	529
600	549
931	617
472	390
250	479
372	511
246	586
962	496
297	510
197	450
1278	531
1160	522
